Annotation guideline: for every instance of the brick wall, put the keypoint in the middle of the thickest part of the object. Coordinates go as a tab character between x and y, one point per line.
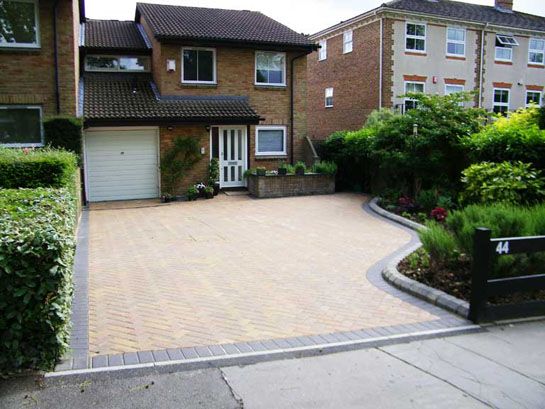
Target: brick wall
354	78
28	76
290	185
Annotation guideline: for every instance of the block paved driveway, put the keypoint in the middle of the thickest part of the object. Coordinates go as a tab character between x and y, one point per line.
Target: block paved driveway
237	269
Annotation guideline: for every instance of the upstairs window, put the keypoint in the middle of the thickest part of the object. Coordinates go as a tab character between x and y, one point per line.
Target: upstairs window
456	41
199	65
329	97
270	68
322	52
411	88
21	126
504	47
111	63
415	37
19	24
536	51
533	97
501	101
347	42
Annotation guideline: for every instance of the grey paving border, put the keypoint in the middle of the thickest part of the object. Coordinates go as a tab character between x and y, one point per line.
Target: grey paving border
391	274
253	351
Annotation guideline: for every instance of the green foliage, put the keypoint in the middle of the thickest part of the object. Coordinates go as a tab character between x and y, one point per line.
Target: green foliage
179	158
418	259
260	171
300	168
514	138
427	199
541	121
64	133
192	193
213	171
439	243
489	183
36	260
326	168
32	168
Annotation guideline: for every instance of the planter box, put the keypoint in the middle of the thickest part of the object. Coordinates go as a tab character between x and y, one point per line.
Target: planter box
291	185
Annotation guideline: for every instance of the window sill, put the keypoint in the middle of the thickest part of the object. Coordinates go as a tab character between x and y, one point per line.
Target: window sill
456	57
503	62
536	66
271	87
21	50
271	157
416	53
196	85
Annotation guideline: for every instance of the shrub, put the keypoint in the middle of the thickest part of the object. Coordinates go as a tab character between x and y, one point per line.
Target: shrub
300	168
192	193
427	199
32	168
64	133
36	259
490	183
326	168
181	156
439	243
213	171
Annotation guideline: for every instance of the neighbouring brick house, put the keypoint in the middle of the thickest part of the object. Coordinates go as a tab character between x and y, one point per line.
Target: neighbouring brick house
38	65
432	46
233	79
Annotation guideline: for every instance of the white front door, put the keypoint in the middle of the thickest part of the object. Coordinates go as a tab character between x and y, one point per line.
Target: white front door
233	156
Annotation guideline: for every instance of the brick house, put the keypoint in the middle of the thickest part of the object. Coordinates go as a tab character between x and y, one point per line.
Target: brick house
234	80
39	65
432	46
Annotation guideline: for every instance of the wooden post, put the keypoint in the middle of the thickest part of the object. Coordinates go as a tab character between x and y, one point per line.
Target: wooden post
480	269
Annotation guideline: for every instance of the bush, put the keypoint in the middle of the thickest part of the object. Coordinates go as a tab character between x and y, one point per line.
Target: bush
300	168
489	183
439	243
64	133
326	168
37	246
514	138
33	168
181	156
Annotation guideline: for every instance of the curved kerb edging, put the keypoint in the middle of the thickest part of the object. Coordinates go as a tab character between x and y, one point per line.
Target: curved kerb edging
404	283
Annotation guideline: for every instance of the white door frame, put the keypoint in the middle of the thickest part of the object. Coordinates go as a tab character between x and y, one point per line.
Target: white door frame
221	150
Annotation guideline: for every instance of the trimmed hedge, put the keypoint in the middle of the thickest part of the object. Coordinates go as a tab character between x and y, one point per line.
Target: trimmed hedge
64	133
33	168
37	246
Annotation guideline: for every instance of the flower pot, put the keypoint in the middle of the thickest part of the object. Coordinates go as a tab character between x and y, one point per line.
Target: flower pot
168	198
282	171
216	188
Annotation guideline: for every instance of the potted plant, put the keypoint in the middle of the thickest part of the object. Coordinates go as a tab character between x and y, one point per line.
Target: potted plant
300	168
192	193
167	198
283	169
209	192
200	188
214	175
261	171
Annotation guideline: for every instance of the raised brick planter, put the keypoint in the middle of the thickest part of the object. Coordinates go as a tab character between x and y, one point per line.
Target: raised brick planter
291	185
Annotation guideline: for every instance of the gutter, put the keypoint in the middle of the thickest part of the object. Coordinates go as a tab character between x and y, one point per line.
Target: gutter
481	68
292	103
56	57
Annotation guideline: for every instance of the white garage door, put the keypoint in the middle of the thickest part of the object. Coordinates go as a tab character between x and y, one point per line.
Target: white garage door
121	164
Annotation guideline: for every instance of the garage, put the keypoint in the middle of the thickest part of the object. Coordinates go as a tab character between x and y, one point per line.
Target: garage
121	164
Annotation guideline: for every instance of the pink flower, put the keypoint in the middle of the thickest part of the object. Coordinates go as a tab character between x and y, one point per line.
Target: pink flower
439	214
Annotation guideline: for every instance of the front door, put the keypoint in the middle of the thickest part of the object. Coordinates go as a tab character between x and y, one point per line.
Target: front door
233	154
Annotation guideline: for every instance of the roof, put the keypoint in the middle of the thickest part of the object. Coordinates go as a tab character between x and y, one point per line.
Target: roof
115	35
133	98
175	23
471	12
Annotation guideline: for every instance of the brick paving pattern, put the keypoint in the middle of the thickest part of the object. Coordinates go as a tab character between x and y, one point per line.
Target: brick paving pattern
236	269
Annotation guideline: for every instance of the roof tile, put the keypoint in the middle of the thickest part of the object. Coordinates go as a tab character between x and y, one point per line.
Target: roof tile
114	35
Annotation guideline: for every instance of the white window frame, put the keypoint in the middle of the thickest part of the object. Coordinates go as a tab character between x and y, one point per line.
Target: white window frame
501	104
91	69
416	37
214	80
328	96
37	25
533	92
508	46
461	87
456	42
26	145
348	45
536	51
284	130
267	84
405	89
322	51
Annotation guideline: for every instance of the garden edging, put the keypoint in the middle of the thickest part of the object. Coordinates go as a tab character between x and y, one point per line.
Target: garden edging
415	288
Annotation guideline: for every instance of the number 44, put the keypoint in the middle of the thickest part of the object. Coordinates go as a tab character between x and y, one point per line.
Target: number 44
503	247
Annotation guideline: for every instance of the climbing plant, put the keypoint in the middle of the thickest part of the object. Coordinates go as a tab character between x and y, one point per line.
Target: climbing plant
182	155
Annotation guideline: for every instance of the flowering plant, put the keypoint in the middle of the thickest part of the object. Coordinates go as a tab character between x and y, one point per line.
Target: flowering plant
439	214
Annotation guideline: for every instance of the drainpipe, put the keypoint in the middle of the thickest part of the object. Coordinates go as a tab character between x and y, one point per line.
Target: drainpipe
56	57
481	68
380	63
292	103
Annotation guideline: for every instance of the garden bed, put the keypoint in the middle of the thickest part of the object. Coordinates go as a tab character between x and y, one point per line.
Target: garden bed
291	185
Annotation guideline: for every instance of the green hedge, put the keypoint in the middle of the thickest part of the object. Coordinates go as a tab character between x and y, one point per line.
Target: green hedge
64	133
32	168
37	246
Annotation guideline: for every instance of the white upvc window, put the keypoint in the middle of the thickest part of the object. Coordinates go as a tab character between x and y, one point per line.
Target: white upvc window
115	63
504	47
456	41
329	97
322	52
19	24
501	100
454	89
270	68
270	140
21	126
347	42
536	51
533	98
198	65
413	87
415	37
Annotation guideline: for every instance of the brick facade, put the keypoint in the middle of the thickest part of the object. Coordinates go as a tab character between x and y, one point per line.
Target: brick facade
28	75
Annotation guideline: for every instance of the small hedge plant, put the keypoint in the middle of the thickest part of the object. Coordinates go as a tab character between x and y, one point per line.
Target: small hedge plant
326	168
37	248
64	133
